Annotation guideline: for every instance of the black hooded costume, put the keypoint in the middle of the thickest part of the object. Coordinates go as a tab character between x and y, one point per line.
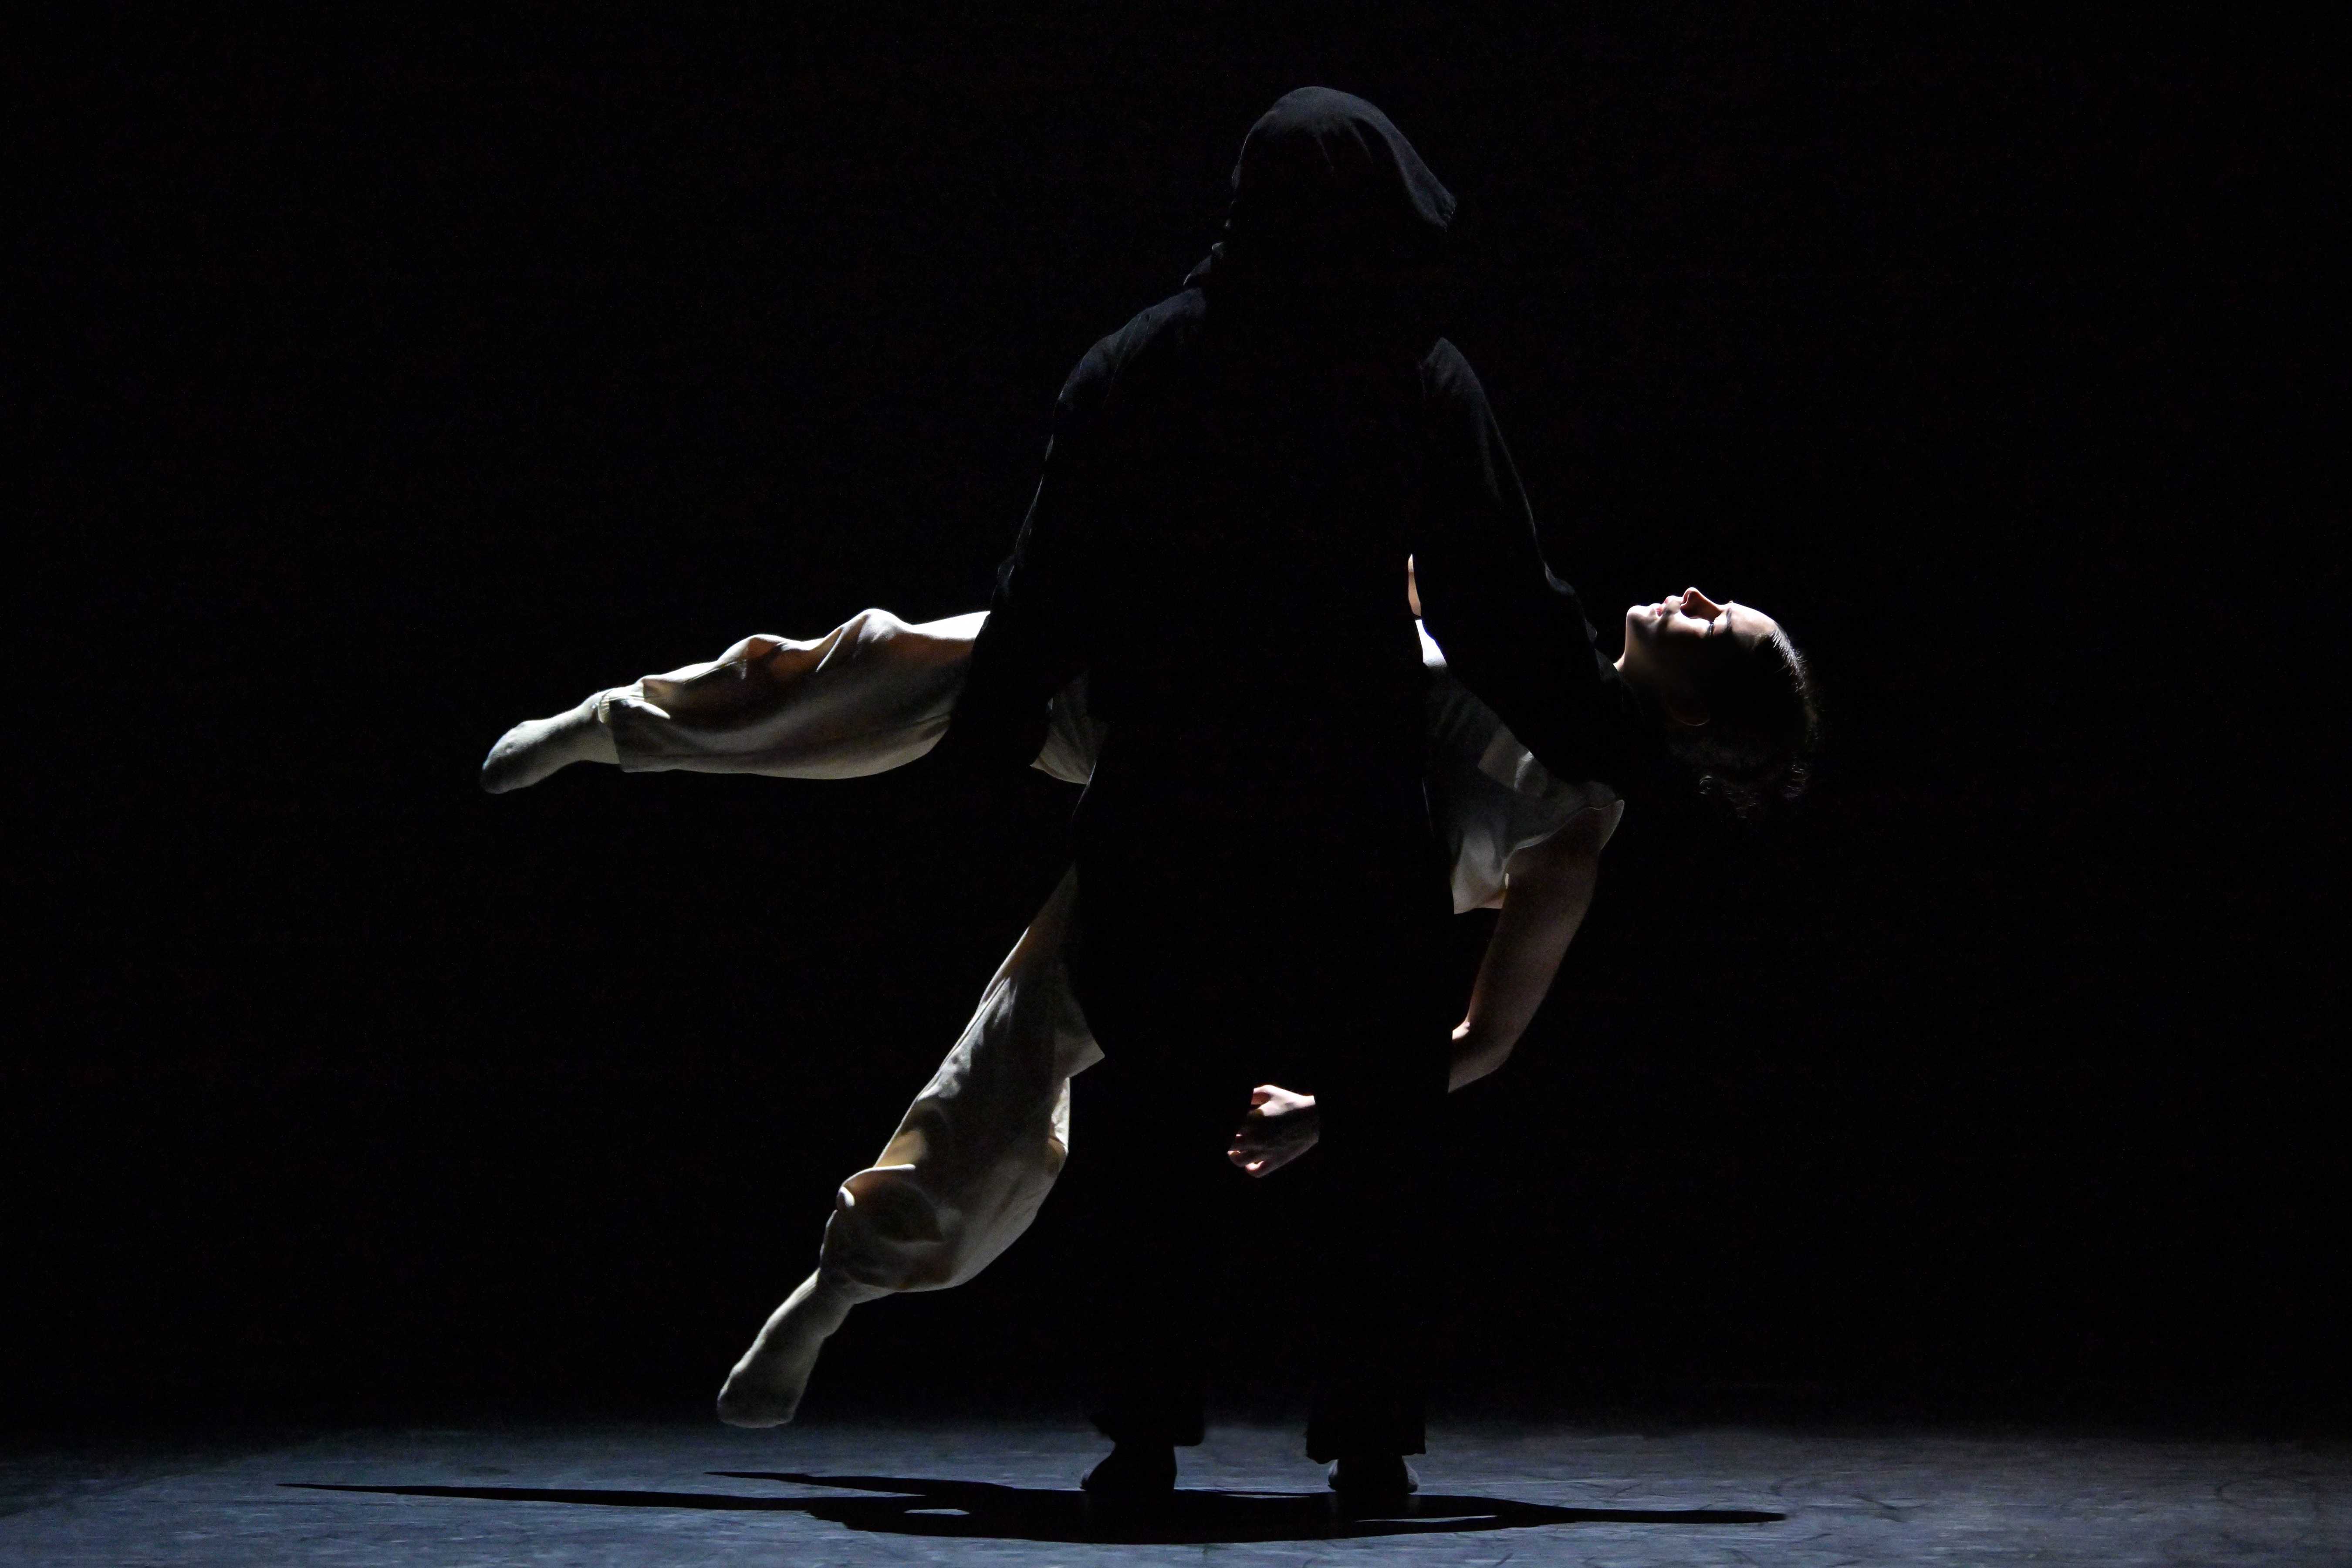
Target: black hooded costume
1218	544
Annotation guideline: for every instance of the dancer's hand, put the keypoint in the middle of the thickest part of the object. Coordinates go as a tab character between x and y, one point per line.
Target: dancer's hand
1280	1127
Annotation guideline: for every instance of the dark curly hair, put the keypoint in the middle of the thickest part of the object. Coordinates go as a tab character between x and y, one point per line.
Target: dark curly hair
1756	751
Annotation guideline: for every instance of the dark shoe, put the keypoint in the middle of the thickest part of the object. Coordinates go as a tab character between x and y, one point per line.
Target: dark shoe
1133	1477
1367	1482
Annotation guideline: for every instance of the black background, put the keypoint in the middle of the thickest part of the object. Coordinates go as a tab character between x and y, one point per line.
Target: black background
381	380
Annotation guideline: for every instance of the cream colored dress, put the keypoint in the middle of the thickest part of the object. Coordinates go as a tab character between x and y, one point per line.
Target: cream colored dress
980	1147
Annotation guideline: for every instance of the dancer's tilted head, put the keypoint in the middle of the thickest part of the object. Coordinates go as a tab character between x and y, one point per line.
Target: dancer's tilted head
1735	697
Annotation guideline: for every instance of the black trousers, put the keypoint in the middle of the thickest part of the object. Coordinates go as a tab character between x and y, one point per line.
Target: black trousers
1201	982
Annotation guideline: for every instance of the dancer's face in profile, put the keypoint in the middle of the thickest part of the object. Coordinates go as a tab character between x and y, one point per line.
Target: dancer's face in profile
1674	646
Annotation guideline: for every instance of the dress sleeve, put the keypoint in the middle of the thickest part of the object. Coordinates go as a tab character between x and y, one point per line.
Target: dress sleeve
1037	637
1514	633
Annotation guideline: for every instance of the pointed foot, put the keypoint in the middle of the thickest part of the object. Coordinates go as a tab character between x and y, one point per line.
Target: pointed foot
538	747
765	1387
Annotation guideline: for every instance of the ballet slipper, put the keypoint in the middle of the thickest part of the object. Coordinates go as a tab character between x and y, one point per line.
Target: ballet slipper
765	1388
538	747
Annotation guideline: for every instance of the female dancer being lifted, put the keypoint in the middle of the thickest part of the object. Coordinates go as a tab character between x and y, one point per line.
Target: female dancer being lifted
1729	695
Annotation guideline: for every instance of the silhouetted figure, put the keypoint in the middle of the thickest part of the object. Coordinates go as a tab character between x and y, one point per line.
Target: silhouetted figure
983	1141
1235	481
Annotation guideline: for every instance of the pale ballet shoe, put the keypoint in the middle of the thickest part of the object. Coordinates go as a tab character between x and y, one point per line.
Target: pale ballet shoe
538	747
765	1388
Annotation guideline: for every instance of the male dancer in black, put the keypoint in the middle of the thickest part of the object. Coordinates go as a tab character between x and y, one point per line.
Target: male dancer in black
1236	480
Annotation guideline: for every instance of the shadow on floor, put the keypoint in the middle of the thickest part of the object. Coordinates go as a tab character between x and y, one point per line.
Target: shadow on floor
985	1511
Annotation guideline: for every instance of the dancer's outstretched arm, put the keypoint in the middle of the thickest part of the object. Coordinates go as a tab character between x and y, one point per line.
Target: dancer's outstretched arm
1544	902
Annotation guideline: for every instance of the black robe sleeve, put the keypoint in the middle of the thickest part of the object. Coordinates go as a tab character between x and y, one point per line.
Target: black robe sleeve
1036	638
1513	632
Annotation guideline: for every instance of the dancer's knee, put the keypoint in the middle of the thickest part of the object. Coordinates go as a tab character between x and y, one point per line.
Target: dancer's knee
888	1233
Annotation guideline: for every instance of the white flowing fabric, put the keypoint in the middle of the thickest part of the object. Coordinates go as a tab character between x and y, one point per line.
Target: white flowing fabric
1488	796
980	1147
979	1150
871	695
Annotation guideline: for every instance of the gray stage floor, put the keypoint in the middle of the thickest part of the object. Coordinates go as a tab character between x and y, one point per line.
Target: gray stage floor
1003	1492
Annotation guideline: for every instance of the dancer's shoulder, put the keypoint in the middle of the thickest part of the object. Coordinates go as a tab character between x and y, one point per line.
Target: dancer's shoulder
1168	327
1446	377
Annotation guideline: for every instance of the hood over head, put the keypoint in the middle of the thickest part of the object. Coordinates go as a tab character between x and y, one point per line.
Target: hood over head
1332	210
